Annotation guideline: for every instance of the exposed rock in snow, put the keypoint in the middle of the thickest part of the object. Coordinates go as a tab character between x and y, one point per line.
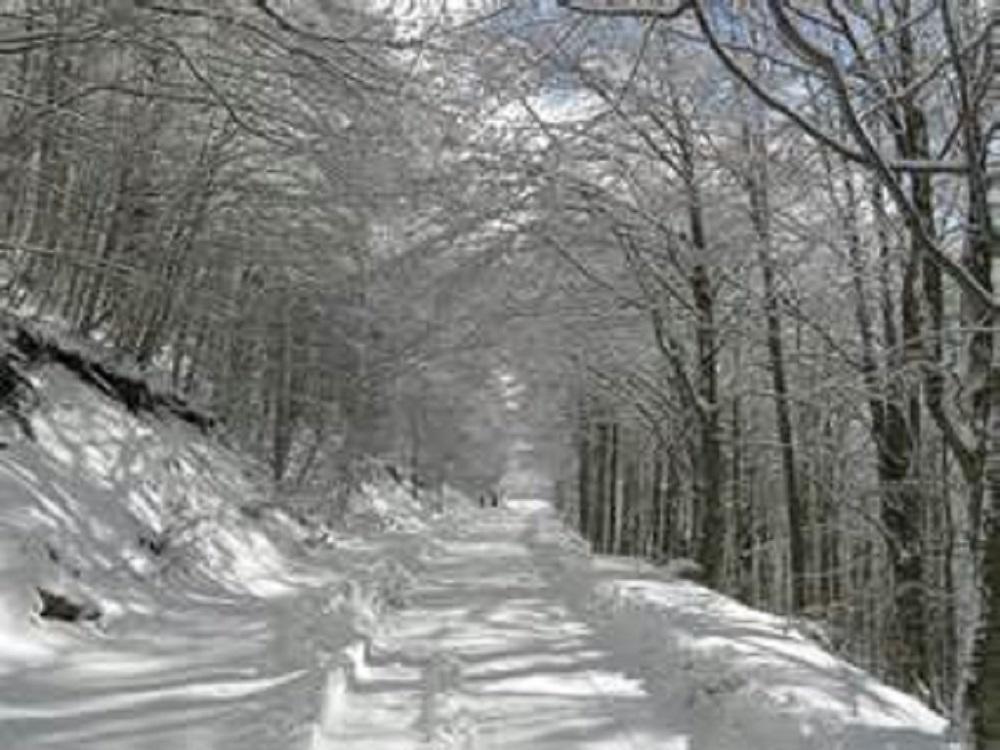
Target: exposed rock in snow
60	607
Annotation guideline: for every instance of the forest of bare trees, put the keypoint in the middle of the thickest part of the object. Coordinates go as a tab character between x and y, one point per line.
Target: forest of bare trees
740	255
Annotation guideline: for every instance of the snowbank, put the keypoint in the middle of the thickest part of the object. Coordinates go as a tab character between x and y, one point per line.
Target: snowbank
741	679
109	506
219	618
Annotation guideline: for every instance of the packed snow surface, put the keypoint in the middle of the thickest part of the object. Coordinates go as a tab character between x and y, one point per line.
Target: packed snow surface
230	622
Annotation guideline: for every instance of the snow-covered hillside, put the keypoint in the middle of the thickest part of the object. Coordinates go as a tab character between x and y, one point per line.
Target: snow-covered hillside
208	619
213	619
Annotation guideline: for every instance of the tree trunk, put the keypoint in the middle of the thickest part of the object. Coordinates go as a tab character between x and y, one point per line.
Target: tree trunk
611	525
984	689
600	486
984	697
760	213
742	514
659	511
891	431
710	529
583	481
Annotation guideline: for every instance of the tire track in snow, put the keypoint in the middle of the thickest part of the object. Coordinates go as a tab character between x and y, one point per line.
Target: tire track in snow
487	656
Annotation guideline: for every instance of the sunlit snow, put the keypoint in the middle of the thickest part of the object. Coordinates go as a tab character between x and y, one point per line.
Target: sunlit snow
428	625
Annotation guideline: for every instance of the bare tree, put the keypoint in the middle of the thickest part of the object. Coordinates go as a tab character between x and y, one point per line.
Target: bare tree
867	64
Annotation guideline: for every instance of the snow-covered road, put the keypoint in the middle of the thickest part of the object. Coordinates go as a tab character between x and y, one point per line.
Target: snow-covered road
414	622
486	654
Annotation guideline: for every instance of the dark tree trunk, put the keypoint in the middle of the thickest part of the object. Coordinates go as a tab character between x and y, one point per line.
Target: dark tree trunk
658	521
984	695
983	258
760	213
600	486
903	500
611	499
710	529
583	477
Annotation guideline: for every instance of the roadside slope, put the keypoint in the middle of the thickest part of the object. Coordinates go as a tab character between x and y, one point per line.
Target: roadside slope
207	622
734	678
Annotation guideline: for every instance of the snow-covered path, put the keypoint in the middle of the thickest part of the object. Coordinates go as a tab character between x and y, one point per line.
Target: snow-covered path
415	622
486	654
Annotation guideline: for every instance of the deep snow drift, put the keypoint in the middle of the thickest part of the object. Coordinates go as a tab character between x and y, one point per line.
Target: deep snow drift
227	622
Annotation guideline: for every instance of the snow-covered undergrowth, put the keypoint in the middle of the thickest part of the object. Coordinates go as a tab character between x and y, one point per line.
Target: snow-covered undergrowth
737	677
210	614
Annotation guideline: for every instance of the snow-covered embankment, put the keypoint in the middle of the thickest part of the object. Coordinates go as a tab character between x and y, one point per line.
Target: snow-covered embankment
207	617
736	678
